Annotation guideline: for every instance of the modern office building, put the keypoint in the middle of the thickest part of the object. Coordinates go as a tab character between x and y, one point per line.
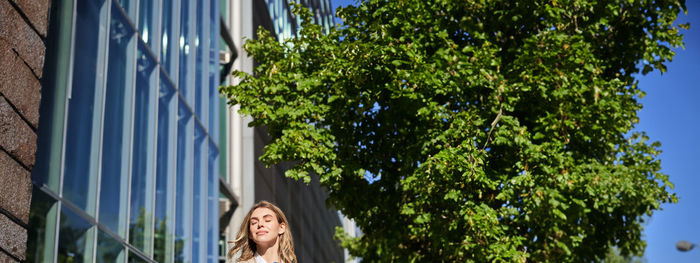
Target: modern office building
133	155
128	139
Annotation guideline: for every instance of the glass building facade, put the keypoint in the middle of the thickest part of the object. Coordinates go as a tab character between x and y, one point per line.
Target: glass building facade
285	24
127	165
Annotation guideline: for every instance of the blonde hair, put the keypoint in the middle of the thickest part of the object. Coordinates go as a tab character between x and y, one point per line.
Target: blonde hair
246	245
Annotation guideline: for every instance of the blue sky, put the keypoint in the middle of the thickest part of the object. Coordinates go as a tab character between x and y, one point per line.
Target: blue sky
671	115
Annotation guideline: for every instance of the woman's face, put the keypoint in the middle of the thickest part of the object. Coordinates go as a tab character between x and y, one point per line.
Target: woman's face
264	228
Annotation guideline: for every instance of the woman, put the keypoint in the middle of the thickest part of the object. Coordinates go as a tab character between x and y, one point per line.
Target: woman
264	237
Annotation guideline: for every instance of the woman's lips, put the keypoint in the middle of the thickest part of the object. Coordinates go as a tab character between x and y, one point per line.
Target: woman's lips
260	233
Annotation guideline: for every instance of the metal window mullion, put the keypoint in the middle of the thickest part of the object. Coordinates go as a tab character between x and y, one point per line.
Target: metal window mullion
190	101
192	142
131	137
206	52
191	97
69	90
126	153
205	199
103	41
192	65
127	129
158	32
189	177
175	64
154	176
57	231
189	187
174	184
136	15
134	68
103	87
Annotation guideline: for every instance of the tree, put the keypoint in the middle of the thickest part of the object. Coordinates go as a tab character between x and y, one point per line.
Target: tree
493	130
613	256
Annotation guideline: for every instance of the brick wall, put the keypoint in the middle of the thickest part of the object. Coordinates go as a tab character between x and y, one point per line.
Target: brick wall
23	25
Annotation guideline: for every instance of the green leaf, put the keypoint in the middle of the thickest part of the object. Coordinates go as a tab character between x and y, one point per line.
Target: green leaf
452	194
487	126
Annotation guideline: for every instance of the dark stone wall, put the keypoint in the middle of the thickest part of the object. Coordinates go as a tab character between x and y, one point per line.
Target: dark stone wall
23	25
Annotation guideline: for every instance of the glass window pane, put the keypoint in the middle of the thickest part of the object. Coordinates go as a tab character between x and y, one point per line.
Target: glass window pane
129	7
224	10
42	232
183	194
52	108
214	73
165	161
213	205
117	124
201	108
142	179
223	108
135	258
148	23
187	49
84	105
108	249
169	44
200	196
75	238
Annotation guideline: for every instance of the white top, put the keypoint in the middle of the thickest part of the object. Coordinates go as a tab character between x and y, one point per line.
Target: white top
260	259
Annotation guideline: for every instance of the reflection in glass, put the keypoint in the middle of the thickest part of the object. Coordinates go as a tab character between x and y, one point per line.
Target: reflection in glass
142	180
165	170
130	139
183	194
199	208
201	92
224	14
75	238
213	204
214	76
42	231
284	26
52	110
148	14
135	258
187	47
84	106
108	249
117	125
129	7
169	39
